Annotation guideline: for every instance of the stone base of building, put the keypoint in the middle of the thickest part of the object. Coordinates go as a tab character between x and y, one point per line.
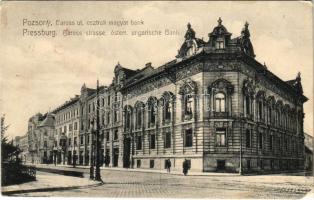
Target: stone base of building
196	163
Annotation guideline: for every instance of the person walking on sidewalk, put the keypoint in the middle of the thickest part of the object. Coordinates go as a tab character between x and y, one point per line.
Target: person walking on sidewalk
185	167
168	165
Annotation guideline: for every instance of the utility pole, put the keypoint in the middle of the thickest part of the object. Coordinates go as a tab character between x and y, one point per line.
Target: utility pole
97	172
91	169
241	130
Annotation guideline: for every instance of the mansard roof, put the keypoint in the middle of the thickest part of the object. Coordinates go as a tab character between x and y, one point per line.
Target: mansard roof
240	46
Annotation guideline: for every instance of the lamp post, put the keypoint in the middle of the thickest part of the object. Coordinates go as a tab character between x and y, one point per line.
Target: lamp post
97	172
95	147
74	152
241	132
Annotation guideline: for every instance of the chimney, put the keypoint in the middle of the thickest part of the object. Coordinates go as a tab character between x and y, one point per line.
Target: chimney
148	65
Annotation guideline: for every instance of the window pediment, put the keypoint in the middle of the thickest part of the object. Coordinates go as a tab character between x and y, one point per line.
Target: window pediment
221	85
189	86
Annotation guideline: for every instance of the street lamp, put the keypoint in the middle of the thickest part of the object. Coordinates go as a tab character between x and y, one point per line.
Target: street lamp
95	156
241	132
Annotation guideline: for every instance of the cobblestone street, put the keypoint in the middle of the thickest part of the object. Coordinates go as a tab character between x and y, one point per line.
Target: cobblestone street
142	184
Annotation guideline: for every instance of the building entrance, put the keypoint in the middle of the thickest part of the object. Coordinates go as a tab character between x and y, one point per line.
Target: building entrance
221	165
115	157
126	152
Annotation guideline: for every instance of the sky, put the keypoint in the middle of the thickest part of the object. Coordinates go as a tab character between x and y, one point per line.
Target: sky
37	74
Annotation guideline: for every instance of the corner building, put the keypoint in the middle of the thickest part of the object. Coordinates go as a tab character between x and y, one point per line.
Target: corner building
214	105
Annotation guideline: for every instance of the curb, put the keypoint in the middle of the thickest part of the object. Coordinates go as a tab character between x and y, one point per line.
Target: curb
9	193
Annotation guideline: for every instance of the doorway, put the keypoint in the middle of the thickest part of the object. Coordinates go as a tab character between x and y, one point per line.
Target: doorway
221	165
126	152
115	157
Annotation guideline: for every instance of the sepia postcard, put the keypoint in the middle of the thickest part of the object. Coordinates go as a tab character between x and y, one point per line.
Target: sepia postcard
157	99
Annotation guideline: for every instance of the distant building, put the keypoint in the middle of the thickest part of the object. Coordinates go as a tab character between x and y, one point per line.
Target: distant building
22	143
214	105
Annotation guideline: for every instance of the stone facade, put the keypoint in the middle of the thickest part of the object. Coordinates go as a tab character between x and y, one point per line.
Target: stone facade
214	105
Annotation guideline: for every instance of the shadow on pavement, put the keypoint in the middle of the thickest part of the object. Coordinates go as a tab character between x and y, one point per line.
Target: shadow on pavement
9	193
62	172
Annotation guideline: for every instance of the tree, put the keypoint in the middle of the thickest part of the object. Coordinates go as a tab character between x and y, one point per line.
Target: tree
8	150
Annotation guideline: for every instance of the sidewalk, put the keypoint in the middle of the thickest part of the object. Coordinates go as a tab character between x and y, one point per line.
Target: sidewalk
173	172
49	182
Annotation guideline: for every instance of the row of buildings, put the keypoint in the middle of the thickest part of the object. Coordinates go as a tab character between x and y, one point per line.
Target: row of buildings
214	105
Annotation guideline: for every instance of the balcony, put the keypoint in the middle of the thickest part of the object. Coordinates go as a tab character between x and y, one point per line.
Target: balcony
221	114
188	116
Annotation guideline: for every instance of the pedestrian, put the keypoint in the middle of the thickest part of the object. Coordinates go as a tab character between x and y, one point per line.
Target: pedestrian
168	165
185	167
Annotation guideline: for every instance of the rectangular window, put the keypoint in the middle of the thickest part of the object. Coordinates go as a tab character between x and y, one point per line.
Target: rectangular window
115	116
188	137
260	140
220	44
151	163
152	141
65	129
248	138
75	141
82	140
260	110
45	143
188	105
69	141
139	142
248	105
108	100
87	139
107	136
75	126
167	142
70	127
221	135
269	115
248	163
138	163
115	136
108	118
271	142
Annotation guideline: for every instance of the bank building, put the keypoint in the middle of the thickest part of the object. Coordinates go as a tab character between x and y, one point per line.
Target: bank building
213	105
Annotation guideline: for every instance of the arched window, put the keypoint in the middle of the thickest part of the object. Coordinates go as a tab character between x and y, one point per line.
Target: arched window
152	114
128	119
188	101
138	117
139	108
152	111
166	102
220	102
